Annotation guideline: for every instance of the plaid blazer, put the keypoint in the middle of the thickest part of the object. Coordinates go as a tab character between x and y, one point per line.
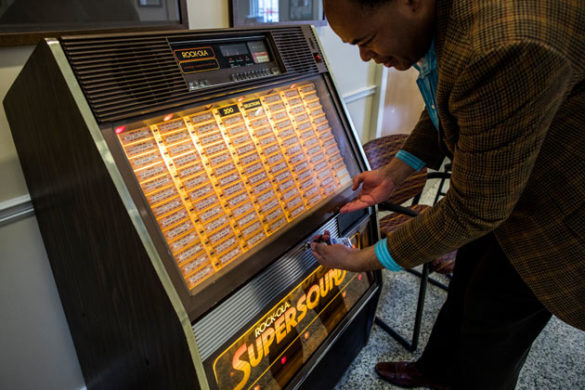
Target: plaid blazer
511	102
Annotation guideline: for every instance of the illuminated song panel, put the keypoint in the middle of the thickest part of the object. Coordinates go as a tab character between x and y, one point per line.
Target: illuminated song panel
221	179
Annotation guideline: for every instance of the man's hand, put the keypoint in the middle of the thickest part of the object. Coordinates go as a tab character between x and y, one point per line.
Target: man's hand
340	256
376	188
378	185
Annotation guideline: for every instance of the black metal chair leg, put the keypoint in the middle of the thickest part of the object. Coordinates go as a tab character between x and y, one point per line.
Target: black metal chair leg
432	281
410	345
439	190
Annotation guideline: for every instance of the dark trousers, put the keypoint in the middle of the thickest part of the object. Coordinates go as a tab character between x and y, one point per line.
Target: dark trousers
484	331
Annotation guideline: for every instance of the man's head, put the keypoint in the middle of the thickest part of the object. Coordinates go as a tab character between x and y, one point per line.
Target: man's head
391	32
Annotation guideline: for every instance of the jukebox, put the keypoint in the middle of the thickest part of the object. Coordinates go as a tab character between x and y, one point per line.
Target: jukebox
177	178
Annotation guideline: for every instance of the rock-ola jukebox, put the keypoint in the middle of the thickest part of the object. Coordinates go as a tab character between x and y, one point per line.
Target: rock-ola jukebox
177	178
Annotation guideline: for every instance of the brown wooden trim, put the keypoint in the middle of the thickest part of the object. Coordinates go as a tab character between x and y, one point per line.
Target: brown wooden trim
231	12
317	23
32	35
233	7
184	14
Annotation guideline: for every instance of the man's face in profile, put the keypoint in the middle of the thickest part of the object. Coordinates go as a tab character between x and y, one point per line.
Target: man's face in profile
396	33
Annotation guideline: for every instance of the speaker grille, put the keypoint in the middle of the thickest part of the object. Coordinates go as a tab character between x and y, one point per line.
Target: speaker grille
295	52
126	76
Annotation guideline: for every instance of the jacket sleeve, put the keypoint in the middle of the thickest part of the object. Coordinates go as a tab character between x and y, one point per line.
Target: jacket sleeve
423	142
504	102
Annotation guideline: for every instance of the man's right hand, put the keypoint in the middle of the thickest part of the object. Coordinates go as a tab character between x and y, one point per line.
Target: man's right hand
376	187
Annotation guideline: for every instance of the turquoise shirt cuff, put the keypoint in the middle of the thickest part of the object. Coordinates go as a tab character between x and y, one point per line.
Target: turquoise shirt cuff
384	257
414	162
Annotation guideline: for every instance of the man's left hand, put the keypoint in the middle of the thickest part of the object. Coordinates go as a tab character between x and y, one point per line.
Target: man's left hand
342	257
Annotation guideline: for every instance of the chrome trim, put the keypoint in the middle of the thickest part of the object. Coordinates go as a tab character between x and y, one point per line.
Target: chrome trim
133	212
282	276
343	105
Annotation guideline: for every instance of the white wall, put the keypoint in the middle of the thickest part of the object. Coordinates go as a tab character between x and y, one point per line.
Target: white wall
352	76
208	14
13	185
36	350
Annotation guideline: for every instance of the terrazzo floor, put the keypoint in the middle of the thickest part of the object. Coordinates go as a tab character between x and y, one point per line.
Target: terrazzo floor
556	360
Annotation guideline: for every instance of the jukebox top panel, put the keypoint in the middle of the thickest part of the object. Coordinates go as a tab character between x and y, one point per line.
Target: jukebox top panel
221	179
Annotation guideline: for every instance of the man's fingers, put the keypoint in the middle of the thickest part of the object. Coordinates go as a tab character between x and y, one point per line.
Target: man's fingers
316	249
318	237
353	206
345	209
348	208
357	180
322	237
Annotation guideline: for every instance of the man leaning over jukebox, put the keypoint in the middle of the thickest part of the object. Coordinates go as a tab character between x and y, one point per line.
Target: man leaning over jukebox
504	88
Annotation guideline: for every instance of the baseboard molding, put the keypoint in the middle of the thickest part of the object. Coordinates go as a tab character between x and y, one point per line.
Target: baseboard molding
359	94
15	209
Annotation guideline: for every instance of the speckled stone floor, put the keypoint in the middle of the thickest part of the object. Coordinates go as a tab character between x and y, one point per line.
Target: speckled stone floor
556	360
